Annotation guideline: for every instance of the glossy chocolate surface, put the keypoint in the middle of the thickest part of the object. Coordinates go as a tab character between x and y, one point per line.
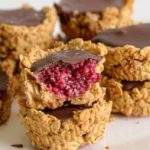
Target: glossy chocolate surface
69	6
137	35
21	17
65	56
130	85
65	113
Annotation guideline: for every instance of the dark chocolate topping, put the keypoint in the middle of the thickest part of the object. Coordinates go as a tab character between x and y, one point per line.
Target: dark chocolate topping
66	56
3	81
130	85
65	113
82	6
136	35
21	17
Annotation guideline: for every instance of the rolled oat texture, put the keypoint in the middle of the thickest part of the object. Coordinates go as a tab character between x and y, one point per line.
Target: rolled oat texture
38	96
135	102
5	104
15	39
87	25
128	63
9	65
46	132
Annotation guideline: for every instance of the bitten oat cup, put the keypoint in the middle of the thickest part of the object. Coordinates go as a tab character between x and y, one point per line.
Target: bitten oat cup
63	105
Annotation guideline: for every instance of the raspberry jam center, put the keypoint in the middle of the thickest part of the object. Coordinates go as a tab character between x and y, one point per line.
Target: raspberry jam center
69	80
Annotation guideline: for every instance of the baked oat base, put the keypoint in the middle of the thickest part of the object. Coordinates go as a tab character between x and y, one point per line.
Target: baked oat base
5	105
88	25
128	63
5	108
129	103
17	39
85	127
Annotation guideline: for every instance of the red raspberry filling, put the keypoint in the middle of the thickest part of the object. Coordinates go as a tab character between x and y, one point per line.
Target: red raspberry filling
70	80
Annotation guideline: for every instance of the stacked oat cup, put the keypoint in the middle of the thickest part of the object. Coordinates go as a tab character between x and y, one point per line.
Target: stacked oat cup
66	91
20	29
126	74
64	106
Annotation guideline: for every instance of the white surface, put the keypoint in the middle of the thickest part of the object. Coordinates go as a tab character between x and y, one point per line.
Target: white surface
121	134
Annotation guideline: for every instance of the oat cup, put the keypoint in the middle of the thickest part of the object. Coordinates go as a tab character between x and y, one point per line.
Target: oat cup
86	18
67	73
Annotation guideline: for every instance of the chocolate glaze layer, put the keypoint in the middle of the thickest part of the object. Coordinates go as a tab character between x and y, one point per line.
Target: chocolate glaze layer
65	113
65	56
68	6
21	17
136	35
130	85
3	81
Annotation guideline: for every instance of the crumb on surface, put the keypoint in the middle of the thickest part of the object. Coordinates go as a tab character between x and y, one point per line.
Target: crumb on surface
17	145
137	122
106	148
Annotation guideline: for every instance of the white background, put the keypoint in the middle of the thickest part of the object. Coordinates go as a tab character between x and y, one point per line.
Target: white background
121	134
142	7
